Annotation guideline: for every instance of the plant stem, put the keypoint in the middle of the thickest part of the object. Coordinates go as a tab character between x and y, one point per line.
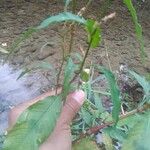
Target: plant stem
107	55
72	27
86	54
58	76
71	38
112	15
74	6
62	63
80	13
84	59
82	64
95	129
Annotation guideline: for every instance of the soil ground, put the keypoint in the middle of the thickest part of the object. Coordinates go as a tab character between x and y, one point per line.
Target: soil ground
118	34
118	40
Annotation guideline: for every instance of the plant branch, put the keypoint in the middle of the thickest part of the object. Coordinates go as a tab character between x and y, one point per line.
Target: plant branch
71	37
107	55
95	129
58	76
72	27
74	4
105	19
62	63
85	56
80	13
83	62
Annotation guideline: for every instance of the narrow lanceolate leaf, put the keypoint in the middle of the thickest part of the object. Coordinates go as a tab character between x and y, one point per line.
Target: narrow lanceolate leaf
66	16
115	94
68	75
138	28
34	125
94	33
138	137
142	81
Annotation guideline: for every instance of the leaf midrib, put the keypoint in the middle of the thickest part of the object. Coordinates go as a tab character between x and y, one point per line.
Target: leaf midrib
28	135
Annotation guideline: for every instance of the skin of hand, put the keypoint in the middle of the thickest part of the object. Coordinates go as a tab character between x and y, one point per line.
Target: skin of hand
60	139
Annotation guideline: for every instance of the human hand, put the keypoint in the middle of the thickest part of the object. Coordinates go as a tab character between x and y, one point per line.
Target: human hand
60	139
61	136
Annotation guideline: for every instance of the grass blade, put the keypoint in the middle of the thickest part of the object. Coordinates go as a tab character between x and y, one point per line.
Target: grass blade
138	28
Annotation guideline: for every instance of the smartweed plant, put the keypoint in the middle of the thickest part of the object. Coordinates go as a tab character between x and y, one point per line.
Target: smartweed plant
112	121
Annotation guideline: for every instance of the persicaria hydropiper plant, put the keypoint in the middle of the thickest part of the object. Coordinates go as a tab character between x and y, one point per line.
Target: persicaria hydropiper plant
130	128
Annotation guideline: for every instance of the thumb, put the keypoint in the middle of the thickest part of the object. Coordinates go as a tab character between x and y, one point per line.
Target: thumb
73	103
61	137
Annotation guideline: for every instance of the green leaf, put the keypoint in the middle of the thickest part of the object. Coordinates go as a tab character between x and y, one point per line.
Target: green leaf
106	116
34	125
98	102
94	33
115	94
115	133
85	144
138	138
142	81
129	121
87	117
68	75
107	141
66	16
3	50
138	28
87	88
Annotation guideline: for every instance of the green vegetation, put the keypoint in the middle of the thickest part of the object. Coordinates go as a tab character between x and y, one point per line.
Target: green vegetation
31	129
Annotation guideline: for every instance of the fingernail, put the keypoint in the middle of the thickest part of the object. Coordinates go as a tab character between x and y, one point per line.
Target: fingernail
79	96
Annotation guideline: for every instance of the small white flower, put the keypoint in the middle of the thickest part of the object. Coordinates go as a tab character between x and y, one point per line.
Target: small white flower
87	70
